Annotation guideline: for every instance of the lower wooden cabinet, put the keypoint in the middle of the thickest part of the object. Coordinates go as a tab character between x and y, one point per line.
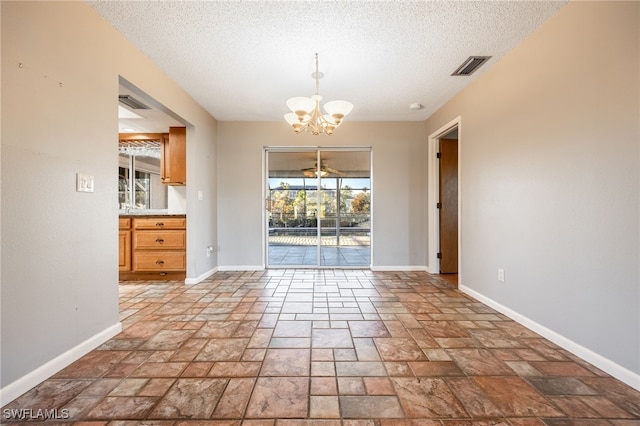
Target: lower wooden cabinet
157	247
124	244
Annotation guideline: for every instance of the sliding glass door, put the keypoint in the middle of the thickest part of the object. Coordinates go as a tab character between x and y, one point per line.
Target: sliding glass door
318	204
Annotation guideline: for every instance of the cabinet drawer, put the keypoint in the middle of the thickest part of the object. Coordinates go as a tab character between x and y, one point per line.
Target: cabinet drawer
159	261
160	223
124	222
159	239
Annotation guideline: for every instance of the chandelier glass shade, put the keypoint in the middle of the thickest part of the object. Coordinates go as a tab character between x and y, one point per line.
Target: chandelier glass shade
305	112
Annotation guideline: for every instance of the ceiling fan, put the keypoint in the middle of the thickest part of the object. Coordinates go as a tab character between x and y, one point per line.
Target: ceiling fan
324	171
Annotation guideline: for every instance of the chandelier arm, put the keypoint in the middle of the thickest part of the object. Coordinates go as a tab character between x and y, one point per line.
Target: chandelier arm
313	120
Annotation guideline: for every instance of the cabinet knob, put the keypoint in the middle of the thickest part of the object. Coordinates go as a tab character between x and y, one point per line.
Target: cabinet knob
160	224
159	262
159	240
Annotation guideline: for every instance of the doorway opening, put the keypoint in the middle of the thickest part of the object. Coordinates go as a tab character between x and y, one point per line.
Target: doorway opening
144	132
318	207
444	254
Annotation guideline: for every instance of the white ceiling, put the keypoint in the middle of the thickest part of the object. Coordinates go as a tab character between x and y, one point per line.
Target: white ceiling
242	60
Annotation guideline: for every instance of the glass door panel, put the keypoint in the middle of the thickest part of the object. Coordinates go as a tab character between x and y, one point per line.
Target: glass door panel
291	210
345	208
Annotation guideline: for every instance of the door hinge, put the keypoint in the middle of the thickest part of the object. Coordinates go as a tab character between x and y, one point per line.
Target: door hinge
439	155
439	205
439	255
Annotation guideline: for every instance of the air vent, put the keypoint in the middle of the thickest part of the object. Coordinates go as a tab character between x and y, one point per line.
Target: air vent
131	102
470	65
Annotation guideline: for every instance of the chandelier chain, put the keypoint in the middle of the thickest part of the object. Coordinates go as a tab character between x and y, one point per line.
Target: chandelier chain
317	77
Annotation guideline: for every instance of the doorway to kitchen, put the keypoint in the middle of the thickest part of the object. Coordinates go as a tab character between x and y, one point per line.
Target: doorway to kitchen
318	207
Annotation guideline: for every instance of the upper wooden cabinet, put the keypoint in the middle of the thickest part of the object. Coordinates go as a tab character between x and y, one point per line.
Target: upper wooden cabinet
173	167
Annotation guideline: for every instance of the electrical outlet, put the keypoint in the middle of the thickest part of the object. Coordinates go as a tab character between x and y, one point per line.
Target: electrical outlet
501	275
209	250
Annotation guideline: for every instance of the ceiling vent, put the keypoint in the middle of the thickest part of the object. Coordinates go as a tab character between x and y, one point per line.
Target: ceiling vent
131	102
469	66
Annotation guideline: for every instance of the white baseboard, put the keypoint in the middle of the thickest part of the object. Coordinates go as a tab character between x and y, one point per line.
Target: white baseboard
241	268
249	268
619	372
40	374
410	268
201	277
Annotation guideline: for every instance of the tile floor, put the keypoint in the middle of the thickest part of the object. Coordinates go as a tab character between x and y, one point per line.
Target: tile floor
324	347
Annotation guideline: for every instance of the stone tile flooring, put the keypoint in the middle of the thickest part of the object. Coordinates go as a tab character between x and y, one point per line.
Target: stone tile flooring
324	347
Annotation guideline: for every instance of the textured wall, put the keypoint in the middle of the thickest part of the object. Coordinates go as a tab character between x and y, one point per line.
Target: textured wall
59	284
398	181
550	179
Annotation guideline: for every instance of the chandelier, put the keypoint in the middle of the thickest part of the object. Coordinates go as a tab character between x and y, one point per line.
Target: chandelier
306	115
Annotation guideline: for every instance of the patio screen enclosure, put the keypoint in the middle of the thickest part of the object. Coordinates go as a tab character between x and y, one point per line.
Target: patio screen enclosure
318	207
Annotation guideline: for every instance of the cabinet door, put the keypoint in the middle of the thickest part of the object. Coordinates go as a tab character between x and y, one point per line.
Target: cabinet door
165	159
174	157
124	250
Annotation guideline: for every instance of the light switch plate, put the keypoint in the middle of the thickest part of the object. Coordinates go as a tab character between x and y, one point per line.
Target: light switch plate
84	182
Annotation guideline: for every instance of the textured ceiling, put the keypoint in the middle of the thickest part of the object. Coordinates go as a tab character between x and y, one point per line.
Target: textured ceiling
242	60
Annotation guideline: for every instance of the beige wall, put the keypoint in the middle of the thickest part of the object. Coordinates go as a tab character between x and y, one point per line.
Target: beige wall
550	181
59	283
398	182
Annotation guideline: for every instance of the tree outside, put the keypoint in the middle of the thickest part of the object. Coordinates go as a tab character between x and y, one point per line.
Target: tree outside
361	203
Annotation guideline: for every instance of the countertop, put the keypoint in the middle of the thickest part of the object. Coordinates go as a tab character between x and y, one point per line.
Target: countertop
150	212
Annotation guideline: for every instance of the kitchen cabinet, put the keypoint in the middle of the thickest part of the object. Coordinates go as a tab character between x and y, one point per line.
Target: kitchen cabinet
124	244
173	164
158	248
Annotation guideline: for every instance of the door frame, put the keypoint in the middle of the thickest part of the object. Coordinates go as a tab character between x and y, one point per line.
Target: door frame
264	195
433	242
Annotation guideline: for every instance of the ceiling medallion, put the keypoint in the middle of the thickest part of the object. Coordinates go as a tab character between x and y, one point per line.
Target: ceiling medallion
306	115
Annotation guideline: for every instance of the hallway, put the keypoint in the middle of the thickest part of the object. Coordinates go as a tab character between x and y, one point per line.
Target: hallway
350	347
